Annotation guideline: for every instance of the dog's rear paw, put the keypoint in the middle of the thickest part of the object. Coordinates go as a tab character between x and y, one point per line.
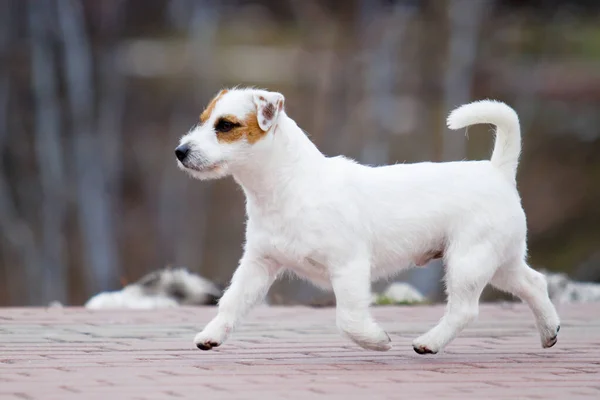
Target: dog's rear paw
382	345
423	349
551	341
207	345
373	338
426	345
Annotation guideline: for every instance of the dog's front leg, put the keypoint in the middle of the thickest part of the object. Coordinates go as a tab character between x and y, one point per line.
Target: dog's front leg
352	287
249	285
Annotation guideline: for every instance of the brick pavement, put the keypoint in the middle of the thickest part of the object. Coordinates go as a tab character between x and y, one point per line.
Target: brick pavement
291	353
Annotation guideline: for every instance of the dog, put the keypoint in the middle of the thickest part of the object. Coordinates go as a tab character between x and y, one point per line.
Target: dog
341	225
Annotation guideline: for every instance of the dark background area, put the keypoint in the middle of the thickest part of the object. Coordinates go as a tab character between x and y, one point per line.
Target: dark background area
94	96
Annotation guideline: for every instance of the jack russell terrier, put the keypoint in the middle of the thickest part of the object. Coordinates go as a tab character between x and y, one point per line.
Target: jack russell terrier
342	225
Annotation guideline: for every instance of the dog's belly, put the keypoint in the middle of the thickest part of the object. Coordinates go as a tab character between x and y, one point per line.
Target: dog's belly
312	263
313	271
389	260
308	250
305	267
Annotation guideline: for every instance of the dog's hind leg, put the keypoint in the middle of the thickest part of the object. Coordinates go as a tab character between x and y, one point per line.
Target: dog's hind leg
530	286
352	287
467	274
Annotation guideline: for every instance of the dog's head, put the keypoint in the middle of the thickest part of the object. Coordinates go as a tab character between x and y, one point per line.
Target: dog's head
231	126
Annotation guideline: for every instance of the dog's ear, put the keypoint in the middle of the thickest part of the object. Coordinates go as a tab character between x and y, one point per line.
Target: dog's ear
268	107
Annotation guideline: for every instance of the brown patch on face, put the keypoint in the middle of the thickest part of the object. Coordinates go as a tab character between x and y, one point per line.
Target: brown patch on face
254	133
248	128
211	106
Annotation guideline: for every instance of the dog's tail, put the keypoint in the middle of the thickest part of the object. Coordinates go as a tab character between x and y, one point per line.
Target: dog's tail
508	132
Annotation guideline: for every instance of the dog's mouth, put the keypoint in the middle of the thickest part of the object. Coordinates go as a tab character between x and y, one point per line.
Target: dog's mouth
203	168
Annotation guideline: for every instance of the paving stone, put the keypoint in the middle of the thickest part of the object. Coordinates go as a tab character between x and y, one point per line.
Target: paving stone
291	353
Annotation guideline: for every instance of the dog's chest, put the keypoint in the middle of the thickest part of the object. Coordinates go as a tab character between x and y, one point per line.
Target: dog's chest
297	245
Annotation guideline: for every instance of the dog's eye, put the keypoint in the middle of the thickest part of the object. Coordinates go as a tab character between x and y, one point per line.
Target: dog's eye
224	126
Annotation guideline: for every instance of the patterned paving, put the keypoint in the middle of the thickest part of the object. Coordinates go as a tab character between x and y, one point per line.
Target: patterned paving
291	353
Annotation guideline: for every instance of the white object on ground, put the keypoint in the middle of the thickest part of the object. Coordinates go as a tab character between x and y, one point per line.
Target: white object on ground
166	288
401	292
564	290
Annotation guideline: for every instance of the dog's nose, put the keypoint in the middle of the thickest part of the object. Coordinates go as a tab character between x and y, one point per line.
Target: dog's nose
182	151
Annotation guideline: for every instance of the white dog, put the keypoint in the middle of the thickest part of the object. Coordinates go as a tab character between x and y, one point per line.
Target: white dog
341	225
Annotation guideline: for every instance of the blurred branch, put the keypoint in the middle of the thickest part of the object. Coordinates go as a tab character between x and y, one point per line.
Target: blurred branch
95	213
49	153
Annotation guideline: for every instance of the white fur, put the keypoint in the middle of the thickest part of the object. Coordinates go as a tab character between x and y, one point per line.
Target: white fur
130	297
341	225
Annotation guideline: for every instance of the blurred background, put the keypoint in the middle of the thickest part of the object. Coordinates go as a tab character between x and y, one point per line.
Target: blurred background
94	95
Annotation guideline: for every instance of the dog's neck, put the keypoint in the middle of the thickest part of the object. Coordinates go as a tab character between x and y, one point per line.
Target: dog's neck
268	172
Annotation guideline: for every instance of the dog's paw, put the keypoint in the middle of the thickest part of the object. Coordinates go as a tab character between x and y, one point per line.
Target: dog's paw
373	338
423	349
422	345
551	340
380	344
212	336
206	342
207	345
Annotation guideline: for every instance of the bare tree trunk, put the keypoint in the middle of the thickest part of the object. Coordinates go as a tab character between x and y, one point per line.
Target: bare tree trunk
112	97
49	152
203	34
182	239
173	201
382	43
94	206
315	65
15	230
112	91
8	274
466	17
329	106
20	236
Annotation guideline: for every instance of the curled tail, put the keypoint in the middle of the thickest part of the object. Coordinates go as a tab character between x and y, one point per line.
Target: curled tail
507	147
